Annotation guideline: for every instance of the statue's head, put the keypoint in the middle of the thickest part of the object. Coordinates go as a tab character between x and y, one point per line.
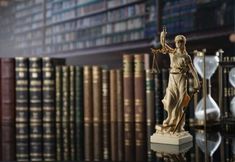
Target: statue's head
180	41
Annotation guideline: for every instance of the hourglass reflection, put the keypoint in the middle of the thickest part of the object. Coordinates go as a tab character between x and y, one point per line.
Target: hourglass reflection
232	82
211	64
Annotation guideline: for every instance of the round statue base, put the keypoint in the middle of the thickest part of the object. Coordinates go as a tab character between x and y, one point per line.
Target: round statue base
177	138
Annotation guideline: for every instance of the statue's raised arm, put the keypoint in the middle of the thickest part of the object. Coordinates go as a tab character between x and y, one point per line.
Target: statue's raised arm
165	47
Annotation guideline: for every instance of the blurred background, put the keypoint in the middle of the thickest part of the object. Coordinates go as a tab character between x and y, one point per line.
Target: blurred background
101	31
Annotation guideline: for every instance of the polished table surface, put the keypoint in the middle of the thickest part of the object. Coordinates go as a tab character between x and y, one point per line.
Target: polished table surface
131	142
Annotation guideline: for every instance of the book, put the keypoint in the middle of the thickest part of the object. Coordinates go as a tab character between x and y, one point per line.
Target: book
97	111
72	111
120	110
7	109
58	118
113	96
140	141
79	114
139	90
22	108
87	93
48	108
35	99
128	87
88	141
106	114
129	141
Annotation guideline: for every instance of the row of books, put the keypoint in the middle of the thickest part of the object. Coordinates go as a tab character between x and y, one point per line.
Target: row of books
186	16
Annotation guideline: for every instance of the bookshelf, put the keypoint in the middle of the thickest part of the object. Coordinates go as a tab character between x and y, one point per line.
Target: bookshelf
77	27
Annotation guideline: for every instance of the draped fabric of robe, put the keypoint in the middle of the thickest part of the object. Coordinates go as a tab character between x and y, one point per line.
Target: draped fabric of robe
176	90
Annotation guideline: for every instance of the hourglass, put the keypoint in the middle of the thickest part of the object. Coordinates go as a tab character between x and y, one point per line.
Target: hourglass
211	63
232	81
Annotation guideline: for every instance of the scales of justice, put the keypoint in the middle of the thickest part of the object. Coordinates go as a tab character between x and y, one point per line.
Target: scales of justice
176	98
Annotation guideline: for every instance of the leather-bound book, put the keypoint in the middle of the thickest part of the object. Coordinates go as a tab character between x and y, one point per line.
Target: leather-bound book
48	108
88	114
97	111
79	113
35	99
22	108
120	110
7	82
87	92
128	87
141	141
129	141
65	113
58	118
139	82
7	108
149	92
72	111
106	114
113	96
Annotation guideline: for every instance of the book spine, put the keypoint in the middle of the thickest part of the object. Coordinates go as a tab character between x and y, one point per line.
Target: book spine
113	96
65	112
58	117
7	109
140	113
35	98
79	113
150	98
120	139
72	112
22	108
158	96
106	114
87	91
49	114
97	108
7	90
128	87
88	114
120	110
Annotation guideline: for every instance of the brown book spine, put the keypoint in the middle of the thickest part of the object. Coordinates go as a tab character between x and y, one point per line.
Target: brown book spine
88	101
7	90
128	87
140	111
120	110
97	111
88	114
113	95
7	109
106	114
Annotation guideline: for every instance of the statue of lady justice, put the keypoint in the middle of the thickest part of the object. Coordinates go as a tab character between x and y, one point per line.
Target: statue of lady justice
176	97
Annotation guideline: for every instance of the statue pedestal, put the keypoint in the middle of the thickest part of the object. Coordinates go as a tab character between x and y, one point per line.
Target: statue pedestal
171	149
177	138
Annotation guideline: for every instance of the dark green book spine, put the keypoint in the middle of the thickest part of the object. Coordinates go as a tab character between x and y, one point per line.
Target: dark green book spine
79	113
49	152
35	98
22	109
72	112
65	113
58	113
106	115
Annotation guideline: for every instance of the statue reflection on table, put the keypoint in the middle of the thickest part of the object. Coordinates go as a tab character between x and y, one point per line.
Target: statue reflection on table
176	98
